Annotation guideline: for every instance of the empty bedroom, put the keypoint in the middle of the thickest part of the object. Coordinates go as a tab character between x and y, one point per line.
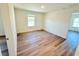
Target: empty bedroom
47	29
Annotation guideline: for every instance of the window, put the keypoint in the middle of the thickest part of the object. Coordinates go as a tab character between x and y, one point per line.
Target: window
31	20
76	22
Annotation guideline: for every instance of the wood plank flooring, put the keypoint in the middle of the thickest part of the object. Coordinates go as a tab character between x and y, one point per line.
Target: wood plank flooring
42	43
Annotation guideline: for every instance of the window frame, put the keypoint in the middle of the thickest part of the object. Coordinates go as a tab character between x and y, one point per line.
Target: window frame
74	22
34	20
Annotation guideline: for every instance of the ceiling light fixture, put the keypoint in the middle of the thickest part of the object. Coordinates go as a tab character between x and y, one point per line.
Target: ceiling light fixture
42	7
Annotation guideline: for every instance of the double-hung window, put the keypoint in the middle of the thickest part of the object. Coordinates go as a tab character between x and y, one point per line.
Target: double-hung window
31	20
75	22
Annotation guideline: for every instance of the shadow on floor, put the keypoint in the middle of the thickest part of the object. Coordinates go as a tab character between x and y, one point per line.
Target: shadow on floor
3	46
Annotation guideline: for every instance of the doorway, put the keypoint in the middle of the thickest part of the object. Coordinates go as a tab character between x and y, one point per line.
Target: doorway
3	42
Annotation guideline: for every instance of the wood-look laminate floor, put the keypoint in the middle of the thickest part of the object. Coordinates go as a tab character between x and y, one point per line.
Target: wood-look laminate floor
42	43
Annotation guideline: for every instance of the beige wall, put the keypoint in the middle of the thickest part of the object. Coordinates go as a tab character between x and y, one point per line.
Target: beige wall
57	21
1	27
21	20
7	14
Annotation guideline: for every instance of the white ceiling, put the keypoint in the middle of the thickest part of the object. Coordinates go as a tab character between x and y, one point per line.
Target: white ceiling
48	6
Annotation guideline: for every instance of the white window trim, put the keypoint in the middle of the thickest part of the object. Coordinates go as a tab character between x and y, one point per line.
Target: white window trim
34	21
74	23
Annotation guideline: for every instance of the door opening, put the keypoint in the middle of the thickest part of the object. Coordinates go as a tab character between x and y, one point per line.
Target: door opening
3	42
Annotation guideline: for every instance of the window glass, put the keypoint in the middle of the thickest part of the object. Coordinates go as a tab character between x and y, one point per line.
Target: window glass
31	20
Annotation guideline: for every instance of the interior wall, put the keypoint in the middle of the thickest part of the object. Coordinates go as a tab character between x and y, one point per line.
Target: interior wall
7	14
21	20
1	27
57	22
